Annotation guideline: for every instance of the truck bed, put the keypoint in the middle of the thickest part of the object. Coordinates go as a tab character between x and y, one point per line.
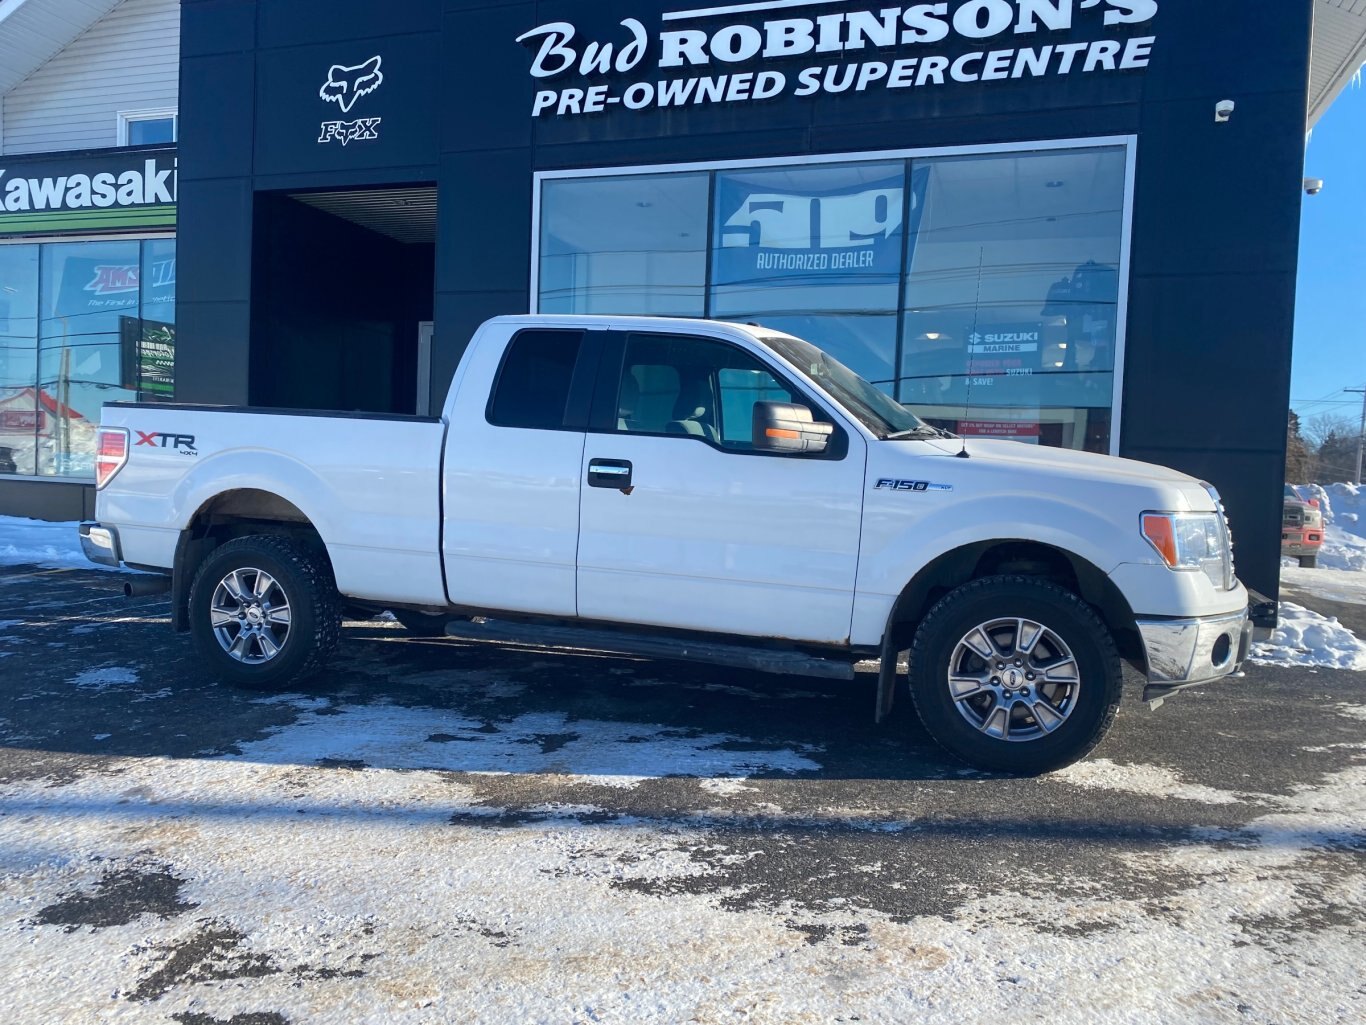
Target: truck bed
369	482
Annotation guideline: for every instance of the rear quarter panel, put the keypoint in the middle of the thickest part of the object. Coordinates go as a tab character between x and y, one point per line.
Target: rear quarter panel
369	486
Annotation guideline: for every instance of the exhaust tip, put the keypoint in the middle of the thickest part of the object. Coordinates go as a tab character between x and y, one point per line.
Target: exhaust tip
143	586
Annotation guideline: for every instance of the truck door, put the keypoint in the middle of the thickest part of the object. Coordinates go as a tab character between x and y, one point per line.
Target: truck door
684	524
511	481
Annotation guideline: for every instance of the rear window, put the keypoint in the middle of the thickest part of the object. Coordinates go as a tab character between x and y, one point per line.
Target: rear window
533	385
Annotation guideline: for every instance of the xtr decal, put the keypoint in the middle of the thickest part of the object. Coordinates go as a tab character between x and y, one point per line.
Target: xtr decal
182	443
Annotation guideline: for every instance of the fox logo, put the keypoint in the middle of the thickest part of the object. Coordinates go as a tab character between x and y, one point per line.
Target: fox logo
363	129
345	85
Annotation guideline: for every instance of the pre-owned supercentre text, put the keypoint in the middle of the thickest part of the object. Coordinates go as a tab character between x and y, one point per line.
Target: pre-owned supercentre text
560	52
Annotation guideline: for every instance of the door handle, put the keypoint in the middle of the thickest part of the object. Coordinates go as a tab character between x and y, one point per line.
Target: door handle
610	473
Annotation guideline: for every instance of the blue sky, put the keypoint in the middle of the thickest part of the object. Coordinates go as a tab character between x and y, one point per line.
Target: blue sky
1330	312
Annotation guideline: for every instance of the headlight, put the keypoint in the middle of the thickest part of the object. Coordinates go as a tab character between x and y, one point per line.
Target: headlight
1191	541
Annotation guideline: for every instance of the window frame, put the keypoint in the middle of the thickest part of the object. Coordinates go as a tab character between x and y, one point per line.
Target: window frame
613	365
127	117
1129	143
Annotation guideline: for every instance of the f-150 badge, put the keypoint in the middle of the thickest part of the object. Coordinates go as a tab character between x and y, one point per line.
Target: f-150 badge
888	484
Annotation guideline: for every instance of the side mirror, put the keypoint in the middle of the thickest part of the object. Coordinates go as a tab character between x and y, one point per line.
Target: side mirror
780	427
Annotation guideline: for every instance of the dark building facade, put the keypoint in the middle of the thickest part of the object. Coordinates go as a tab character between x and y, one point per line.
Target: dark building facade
1066	223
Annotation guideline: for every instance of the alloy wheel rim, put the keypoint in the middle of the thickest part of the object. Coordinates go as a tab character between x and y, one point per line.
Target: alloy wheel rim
1014	679
250	616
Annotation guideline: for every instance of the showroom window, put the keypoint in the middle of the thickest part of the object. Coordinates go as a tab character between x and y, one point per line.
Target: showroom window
982	290
81	324
634	245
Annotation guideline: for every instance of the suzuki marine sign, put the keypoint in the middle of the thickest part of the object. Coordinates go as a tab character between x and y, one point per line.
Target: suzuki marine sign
807	48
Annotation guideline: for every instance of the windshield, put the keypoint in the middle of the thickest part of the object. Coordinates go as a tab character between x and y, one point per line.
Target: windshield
875	409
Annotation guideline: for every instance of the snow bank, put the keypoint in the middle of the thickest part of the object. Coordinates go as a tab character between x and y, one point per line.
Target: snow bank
1306	638
1343	550
37	543
1343	505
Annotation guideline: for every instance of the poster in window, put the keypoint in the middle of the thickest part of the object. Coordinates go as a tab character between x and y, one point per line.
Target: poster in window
793	236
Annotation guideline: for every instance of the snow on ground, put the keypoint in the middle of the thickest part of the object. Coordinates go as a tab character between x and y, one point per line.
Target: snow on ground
106	677
343	893
1147	780
1306	638
38	543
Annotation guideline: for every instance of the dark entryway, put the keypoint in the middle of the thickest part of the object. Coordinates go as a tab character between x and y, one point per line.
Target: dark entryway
342	286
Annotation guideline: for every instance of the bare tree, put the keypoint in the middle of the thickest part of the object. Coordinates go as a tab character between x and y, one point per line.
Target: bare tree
1318	429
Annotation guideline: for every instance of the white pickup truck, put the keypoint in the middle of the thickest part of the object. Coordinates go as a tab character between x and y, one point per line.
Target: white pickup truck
686	489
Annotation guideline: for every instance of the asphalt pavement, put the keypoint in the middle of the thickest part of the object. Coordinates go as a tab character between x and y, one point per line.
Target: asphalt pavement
443	830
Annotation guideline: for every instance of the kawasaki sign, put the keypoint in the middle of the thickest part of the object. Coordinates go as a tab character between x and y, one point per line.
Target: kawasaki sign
106	191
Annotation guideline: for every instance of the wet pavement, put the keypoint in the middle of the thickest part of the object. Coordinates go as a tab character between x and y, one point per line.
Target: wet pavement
443	830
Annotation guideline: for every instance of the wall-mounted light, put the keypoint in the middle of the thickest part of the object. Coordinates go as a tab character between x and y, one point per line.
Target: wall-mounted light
933	336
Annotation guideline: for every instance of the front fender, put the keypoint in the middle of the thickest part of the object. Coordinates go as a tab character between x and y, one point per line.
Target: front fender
898	543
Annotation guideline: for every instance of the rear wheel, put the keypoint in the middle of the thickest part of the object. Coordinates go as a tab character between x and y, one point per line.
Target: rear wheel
1015	674
1309	562
264	612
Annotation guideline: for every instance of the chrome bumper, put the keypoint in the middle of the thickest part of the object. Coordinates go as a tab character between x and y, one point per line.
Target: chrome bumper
1185	652
101	544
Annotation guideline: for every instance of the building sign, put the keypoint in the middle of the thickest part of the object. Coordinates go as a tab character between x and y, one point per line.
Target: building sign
806	48
344	86
115	189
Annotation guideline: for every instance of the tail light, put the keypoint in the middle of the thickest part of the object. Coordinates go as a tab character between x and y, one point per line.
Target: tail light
111	452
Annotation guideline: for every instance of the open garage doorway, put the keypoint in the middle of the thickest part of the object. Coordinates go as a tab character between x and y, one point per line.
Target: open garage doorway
342	298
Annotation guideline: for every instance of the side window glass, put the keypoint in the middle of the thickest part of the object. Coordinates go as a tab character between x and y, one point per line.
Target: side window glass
672	384
533	385
740	389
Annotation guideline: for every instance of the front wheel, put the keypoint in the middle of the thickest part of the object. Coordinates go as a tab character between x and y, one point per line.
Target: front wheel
264	612
1015	674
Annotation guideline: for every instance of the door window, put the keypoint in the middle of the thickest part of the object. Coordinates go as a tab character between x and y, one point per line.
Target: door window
671	384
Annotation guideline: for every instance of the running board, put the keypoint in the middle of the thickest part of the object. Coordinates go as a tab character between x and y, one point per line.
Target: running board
735	656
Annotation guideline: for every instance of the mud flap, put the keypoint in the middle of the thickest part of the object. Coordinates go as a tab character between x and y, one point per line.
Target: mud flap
888	661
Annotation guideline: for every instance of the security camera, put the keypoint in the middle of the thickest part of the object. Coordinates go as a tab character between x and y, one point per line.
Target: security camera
1223	110
1313	186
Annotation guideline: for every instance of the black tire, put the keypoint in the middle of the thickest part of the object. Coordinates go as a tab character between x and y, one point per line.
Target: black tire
1309	562
422	624
1069	624
303	577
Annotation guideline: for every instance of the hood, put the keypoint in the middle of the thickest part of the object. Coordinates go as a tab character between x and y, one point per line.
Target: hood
1168	488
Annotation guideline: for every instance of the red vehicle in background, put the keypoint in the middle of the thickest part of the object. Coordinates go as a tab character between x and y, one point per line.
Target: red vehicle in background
1301	528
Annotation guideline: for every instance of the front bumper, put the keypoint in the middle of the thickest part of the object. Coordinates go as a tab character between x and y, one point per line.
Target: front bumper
1301	542
101	544
1185	652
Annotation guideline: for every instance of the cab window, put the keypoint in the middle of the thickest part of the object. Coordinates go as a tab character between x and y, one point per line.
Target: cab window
533	383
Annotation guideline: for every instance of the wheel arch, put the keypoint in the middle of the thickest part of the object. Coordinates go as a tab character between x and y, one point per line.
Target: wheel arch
237	512
1019	556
